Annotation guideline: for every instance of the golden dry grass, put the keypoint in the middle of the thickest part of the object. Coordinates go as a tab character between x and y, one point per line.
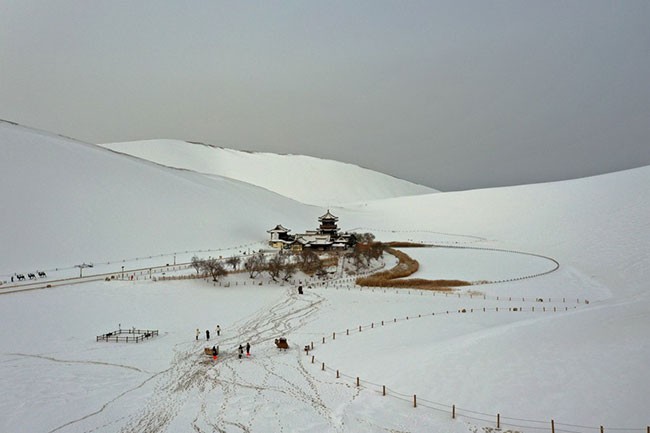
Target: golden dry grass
404	244
406	266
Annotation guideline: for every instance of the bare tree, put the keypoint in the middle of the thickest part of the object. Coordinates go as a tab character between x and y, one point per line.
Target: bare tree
364	252
197	264
309	262
255	265
288	270
214	268
234	262
364	238
274	266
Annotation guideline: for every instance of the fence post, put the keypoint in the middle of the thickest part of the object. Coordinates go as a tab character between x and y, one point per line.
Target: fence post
337	374
357	380
312	359
552	426
323	367
312	345
498	420
347	332
383	391
415	401
333	335
602	430
453	411
359	328
323	340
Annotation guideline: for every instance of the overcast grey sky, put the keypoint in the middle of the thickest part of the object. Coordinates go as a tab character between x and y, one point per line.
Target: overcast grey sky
451	94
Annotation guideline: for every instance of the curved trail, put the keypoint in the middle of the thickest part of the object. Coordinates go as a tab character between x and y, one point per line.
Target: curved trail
215	390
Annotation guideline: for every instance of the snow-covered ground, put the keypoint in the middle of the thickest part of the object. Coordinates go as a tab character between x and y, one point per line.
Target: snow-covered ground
580	364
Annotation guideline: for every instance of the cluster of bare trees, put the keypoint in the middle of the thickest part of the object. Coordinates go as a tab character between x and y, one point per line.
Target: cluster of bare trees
364	251
210	266
285	264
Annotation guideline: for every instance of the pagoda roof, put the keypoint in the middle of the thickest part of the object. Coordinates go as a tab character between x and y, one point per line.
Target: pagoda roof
279	229
328	216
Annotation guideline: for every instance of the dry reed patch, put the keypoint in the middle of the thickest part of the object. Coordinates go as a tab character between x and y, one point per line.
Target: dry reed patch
406	266
404	244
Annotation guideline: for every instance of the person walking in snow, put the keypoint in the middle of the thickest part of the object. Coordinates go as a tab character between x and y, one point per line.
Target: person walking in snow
241	351
248	349
197	333
218	330
207	334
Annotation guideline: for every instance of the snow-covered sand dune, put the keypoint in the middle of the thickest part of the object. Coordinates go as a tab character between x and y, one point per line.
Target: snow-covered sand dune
582	365
303	178
67	202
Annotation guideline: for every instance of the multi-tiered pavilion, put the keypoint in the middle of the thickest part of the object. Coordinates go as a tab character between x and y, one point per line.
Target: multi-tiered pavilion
326	237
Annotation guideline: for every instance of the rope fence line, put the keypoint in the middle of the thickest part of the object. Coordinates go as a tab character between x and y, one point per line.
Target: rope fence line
456	411
154	256
341	285
556	264
373	325
474	238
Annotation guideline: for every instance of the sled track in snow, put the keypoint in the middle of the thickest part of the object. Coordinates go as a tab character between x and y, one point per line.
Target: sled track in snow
194	377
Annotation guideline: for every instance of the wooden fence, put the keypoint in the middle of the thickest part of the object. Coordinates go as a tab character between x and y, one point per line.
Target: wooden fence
501	422
128	335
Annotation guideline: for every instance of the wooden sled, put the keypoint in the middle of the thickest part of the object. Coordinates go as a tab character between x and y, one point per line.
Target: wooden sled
208	351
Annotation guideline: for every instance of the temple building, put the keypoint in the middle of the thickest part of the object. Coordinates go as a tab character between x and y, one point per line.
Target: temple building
327	236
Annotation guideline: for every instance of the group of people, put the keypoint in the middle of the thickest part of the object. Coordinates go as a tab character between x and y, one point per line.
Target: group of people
207	332
241	350
215	348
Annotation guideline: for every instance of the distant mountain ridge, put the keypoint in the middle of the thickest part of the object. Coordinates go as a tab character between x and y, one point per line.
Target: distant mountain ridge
303	178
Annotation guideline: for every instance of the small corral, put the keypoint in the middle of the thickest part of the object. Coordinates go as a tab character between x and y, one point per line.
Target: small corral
128	335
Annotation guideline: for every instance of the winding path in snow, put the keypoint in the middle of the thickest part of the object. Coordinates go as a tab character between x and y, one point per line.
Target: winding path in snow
217	387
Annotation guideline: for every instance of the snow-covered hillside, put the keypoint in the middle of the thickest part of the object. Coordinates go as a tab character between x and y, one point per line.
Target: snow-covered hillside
303	178
66	201
529	346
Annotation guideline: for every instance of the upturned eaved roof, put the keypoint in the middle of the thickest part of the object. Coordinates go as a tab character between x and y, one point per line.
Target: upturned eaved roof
328	216
279	229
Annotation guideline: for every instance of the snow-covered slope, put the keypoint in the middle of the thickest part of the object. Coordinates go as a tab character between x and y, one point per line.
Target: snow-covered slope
306	179
581	365
598	224
67	202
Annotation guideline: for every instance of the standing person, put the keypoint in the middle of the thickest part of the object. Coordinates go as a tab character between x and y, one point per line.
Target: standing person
218	330
197	333
215	352
248	349
241	351
207	334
